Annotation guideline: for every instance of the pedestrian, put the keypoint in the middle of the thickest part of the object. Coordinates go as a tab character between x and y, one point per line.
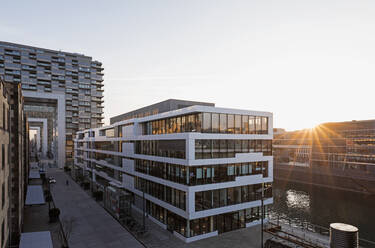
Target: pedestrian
67	182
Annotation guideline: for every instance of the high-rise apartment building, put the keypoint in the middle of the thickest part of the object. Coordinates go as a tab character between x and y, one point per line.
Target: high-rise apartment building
201	168
63	93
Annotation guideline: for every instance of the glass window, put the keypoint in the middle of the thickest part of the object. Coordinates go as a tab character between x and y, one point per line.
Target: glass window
207	199
198	122
251	145
215	123
190	123
198	201
258	124
231	147
230	196
207	149
223	123
237	124
207	126
230	170
216	198
245	145
173	125
245	194
215	148
238	146
245	169
223	197
264	125
230	123
245	124
198	149
223	148
183	124
178	124
237	195
251	124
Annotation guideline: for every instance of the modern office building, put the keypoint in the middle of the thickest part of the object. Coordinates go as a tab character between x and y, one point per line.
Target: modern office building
338	155
201	168
63	93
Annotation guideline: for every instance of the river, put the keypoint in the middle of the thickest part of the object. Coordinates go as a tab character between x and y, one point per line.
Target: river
322	206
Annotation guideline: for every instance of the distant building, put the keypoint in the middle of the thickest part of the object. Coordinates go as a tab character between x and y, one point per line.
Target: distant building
338	154
201	167
63	93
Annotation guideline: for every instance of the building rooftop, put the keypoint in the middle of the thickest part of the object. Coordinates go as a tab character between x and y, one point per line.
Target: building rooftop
157	108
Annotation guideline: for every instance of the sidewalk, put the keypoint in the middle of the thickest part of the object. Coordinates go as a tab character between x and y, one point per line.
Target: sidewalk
92	226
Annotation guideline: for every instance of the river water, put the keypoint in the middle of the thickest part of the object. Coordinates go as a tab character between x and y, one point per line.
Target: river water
322	206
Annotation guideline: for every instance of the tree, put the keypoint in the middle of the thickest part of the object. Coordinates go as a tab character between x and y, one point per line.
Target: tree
66	229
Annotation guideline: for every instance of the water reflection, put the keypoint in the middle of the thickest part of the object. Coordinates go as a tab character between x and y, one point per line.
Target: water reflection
322	206
298	199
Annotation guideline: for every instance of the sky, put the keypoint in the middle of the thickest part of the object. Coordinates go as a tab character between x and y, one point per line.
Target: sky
307	62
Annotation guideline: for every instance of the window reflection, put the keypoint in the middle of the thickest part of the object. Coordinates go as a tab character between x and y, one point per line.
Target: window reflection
208	123
204	200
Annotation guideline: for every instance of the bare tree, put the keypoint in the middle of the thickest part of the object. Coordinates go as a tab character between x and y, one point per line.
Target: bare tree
66	229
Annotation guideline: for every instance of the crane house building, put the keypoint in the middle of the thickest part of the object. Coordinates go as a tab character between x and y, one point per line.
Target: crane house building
200	168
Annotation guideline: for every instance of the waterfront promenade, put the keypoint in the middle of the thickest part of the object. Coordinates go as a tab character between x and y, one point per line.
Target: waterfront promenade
92	226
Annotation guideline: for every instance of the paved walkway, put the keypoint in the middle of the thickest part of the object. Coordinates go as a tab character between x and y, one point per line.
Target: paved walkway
92	226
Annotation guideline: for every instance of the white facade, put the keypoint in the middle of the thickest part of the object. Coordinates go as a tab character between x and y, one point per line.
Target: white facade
198	178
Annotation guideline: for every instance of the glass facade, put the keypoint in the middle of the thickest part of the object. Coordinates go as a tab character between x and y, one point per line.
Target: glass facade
221	223
230	196
161	148
206	149
198	175
164	193
208	123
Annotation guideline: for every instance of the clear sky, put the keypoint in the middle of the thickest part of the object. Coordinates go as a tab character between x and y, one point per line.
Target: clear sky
306	61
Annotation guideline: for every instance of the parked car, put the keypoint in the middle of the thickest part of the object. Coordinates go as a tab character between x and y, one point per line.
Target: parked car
52	181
